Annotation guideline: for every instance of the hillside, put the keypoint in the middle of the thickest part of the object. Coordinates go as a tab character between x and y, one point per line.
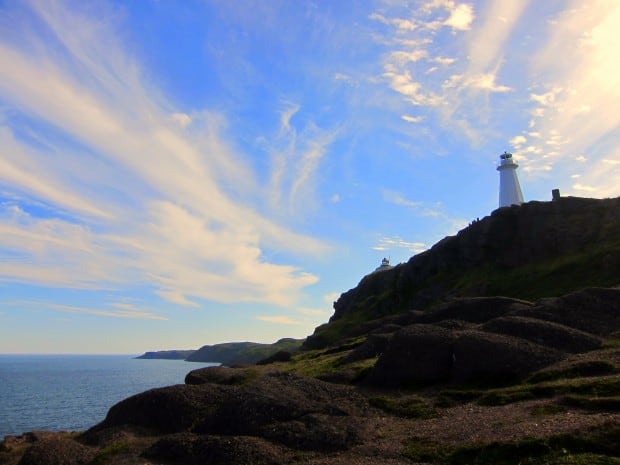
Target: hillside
242	353
538	249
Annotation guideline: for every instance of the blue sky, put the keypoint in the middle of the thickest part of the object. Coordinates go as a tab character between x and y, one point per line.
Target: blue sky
174	174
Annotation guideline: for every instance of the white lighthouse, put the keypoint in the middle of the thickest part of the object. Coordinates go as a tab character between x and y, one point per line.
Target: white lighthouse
509	189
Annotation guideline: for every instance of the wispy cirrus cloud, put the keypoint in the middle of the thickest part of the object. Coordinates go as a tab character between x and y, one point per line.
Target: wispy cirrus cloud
121	186
386	243
573	109
296	155
121	311
279	319
453	86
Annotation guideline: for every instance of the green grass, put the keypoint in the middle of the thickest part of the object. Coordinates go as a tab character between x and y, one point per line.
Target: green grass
584	393
108	453
407	406
600	447
584	369
325	362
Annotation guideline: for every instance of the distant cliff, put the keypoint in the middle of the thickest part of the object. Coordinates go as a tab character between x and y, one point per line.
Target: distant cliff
535	250
167	355
241	353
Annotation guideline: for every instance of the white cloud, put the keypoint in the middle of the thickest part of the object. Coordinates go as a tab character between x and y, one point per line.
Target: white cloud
331	298
461	17
443	60
119	310
313	311
182	119
388	243
582	91
279	319
484	82
169	204
296	155
398	199
582	187
402	58
412	119
517	141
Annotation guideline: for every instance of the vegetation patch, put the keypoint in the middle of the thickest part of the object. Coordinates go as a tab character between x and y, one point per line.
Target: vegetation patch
600	447
106	454
425	451
583	369
610	403
547	409
407	407
452	397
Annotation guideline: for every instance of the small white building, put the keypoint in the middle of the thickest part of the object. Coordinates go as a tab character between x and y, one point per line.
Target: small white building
385	265
509	188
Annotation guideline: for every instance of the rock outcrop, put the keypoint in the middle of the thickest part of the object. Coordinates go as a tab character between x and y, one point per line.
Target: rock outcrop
534	250
500	341
226	412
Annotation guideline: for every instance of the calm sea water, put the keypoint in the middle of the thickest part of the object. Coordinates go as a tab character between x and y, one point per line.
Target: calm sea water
73	392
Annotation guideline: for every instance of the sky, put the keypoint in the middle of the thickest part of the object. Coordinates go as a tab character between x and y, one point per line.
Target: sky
175	174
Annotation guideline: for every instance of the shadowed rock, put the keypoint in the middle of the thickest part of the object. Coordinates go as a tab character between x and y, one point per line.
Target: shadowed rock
415	354
165	410
474	309
221	375
189	449
497	359
544	333
309	407
373	346
593	310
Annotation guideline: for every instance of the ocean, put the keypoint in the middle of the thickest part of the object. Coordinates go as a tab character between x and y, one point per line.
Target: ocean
74	392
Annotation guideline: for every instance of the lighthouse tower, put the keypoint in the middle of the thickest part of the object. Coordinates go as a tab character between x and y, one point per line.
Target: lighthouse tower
509	189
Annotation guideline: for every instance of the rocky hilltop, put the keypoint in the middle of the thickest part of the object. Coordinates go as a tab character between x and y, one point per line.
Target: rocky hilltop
538	249
424	363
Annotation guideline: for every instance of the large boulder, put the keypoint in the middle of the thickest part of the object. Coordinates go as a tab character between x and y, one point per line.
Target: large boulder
593	310
164	410
190	449
309	409
545	333
497	359
373	346
417	354
57	451
221	375
474	309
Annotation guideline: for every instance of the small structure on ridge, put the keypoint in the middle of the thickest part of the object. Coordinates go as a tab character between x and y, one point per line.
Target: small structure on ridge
385	265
